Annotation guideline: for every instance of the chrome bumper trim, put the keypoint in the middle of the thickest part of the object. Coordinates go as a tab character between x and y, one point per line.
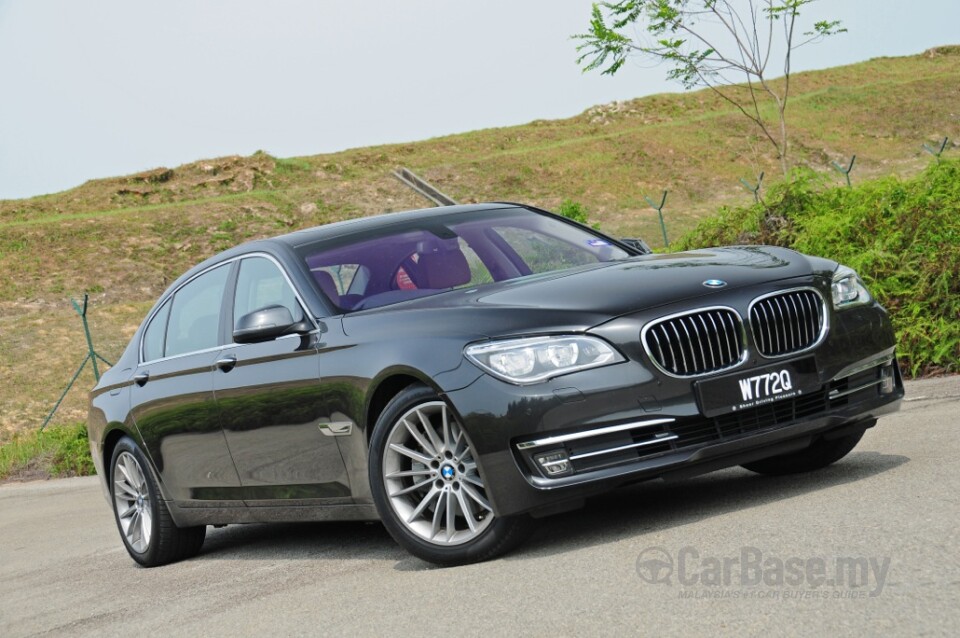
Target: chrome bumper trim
658	439
585	434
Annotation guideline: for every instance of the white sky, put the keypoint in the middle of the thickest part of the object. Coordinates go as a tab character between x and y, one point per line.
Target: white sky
95	88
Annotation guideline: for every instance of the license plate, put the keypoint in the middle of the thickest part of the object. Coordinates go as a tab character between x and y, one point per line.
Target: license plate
756	387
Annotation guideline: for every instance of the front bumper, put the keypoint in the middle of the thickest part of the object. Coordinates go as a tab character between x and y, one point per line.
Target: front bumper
627	423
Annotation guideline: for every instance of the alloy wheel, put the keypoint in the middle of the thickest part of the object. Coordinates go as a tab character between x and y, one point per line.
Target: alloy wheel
431	477
131	498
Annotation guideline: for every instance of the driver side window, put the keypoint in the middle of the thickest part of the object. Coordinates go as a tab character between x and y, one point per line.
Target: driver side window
261	283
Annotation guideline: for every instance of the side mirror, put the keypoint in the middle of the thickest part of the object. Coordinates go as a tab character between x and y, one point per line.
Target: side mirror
637	244
265	324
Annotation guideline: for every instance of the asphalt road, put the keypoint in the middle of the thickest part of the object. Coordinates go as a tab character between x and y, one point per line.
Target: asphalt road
738	554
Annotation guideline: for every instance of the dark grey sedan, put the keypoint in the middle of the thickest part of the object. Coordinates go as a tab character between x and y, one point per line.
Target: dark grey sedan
459	372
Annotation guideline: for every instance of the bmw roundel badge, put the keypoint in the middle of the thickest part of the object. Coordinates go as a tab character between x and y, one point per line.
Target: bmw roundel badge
714	283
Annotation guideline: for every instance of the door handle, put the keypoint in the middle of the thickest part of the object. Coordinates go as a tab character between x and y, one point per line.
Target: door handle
226	363
141	378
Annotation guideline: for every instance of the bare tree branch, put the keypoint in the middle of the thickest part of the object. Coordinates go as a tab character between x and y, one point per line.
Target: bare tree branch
707	42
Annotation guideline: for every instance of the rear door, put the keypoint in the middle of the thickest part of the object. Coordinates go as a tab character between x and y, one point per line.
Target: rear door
172	398
274	410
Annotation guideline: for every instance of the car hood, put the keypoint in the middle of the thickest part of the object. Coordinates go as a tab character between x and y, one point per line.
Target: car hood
651	280
578	299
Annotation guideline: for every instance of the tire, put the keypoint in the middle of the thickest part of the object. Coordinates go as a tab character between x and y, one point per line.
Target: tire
143	519
820	454
427	488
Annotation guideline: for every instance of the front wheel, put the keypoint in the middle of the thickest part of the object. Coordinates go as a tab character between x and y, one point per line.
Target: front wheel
146	527
428	489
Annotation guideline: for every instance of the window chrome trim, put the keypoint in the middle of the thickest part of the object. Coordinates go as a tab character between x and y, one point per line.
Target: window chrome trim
823	329
160	302
744	353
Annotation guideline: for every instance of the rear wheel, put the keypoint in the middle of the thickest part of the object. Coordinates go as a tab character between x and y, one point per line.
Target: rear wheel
428	489
146	528
820	454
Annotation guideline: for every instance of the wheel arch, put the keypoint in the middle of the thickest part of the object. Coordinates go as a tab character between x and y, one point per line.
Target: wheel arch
110	441
385	387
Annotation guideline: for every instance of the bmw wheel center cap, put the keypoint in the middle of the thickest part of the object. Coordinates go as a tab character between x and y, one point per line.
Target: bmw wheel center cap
447	472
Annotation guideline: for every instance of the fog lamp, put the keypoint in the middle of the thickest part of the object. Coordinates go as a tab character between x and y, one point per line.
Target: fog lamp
887	380
555	463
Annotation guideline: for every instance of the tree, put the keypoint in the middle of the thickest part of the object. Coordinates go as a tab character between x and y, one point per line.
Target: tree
709	43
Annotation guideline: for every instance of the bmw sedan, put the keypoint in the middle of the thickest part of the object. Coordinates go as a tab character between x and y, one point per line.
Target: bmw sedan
459	372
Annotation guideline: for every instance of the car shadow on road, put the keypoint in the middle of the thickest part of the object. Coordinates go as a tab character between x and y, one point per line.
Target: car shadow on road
631	511
296	541
657	506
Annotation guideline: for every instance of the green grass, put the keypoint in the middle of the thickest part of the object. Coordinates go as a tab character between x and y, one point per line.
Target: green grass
901	235
56	452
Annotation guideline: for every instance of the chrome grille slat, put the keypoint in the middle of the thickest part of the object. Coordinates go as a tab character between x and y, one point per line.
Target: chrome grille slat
798	320
787	322
680	348
713	360
778	327
811	315
801	333
726	333
657	341
699	342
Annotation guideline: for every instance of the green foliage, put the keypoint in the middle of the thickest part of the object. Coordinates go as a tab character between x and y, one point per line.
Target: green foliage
576	212
56	452
902	236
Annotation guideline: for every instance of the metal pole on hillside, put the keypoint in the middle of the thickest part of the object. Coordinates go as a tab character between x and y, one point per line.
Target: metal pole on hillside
659	209
845	171
936	152
753	189
92	357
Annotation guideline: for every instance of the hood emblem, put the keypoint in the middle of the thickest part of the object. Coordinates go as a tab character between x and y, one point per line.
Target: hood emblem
714	283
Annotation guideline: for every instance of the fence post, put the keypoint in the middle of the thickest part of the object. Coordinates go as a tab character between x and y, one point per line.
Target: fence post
659	209
845	171
92	357
936	153
753	189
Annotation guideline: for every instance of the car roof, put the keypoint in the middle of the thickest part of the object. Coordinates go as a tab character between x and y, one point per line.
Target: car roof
283	244
360	225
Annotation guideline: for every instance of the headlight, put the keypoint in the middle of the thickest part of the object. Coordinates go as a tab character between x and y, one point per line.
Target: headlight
535	359
848	290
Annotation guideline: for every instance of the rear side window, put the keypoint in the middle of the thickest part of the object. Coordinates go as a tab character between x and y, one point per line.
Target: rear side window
260	284
155	334
347	278
195	315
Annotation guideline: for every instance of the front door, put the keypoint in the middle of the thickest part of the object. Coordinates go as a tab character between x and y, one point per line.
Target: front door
273	408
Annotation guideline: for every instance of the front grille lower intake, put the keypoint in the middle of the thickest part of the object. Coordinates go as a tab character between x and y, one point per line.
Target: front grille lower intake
695	343
788	322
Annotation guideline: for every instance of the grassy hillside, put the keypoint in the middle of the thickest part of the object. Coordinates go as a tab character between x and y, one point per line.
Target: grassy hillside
124	239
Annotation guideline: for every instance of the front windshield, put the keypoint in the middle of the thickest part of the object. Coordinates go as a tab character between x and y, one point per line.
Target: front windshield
407	260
